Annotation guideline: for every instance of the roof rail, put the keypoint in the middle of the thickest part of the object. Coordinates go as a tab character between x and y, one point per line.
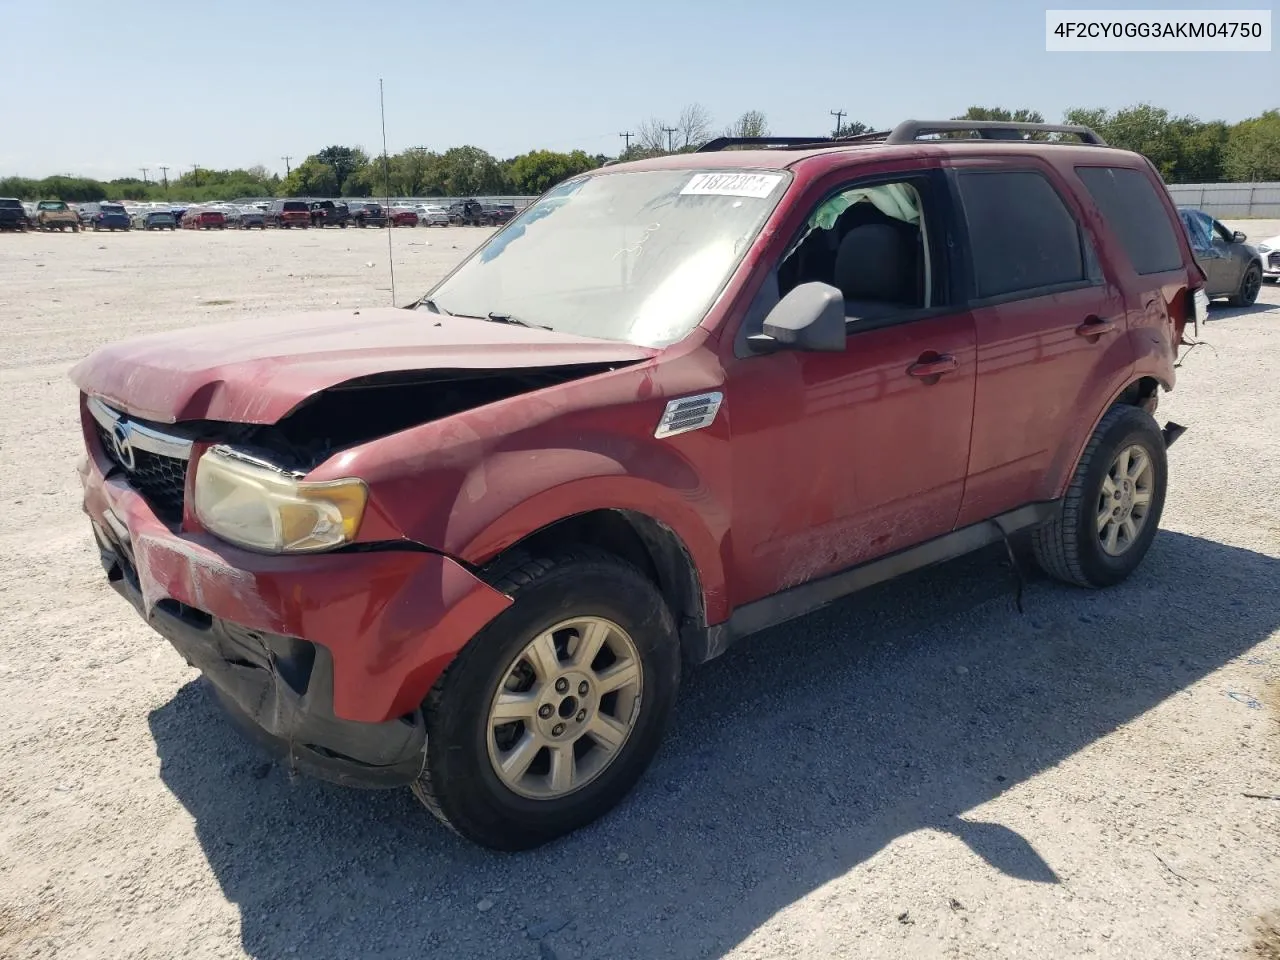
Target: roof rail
908	131
721	143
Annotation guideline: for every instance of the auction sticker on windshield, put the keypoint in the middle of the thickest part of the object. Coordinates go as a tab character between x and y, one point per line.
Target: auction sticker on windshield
757	185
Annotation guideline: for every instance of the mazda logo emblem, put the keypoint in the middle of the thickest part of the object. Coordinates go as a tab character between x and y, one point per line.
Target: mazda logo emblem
123	445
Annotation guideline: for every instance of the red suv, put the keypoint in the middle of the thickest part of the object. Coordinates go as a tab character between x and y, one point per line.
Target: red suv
288	213
470	546
200	219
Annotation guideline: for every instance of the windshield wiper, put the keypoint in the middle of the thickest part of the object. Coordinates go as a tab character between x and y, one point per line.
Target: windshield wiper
508	318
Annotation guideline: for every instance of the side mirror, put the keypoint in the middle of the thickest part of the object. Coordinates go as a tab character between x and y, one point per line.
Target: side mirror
1239	237
809	317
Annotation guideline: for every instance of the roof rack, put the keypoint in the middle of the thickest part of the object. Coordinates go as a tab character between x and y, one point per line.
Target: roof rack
910	130
721	143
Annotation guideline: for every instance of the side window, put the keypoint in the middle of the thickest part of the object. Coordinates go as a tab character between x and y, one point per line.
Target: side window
1197	231
1134	212
1022	237
871	242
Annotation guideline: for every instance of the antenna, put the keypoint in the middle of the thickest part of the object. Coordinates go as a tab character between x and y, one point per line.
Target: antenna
386	181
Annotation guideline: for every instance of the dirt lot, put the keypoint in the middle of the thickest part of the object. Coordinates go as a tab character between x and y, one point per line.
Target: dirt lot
920	771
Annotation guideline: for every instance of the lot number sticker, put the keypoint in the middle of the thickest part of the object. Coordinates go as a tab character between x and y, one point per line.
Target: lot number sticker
758	185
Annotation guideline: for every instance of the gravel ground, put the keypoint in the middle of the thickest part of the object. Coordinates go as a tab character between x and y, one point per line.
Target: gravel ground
919	771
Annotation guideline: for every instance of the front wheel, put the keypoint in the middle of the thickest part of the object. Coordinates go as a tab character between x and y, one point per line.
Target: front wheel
1112	508
552	713
1250	284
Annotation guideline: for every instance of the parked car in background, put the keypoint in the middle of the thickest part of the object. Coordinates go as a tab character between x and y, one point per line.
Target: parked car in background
13	215
285	214
246	218
499	213
327	213
1269	249
204	218
367	213
468	213
403	217
431	215
110	216
155	220
86	211
1233	268
56	215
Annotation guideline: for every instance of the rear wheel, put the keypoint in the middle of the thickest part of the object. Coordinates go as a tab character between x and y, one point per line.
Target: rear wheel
550	715
1112	508
1250	284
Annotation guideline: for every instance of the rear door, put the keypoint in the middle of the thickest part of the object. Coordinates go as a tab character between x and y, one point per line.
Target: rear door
1050	326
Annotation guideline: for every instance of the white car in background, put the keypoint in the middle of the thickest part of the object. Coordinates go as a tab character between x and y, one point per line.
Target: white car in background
1270	250
430	215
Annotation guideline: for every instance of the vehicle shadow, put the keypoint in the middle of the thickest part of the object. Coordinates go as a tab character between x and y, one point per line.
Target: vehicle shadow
793	758
1220	310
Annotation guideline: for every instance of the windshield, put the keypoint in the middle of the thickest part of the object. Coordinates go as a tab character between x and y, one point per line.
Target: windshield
52	205
638	257
11	204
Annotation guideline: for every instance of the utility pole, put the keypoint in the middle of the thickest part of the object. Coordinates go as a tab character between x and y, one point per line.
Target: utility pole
164	172
286	160
627	137
145	171
670	145
839	115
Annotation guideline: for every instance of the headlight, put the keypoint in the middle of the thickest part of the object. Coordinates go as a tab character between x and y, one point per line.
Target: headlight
253	505
1264	248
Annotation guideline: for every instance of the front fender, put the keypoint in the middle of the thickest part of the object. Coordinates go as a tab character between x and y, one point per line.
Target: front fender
696	515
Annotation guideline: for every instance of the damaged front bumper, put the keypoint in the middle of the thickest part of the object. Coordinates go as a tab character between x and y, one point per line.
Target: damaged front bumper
324	659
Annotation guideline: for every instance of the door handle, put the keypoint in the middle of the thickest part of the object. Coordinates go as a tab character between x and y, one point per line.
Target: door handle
932	368
1093	327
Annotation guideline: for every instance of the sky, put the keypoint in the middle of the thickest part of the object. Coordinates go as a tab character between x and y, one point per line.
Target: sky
104	89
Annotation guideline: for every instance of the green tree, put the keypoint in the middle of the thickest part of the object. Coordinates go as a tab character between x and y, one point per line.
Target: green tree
851	128
1007	116
469	171
311	178
1253	149
539	170
345	162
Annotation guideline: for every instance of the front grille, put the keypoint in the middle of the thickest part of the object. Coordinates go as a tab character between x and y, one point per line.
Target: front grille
1273	261
160	479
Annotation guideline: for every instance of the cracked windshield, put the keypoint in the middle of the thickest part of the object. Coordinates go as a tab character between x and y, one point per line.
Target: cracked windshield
650	252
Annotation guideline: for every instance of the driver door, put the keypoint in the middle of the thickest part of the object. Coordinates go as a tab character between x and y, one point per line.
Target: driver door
840	458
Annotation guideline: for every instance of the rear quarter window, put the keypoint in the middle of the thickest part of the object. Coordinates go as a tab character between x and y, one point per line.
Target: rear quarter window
1133	210
1022	237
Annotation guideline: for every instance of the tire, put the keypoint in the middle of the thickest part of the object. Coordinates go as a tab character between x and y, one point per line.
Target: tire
1250	284
1071	547
459	783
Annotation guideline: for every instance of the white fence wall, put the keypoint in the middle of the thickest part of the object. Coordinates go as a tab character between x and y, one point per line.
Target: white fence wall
1229	199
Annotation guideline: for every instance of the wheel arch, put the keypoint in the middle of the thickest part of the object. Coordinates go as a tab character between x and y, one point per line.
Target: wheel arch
1140	391
648	544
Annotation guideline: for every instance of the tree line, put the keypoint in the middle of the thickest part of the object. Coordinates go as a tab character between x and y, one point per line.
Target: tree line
1185	149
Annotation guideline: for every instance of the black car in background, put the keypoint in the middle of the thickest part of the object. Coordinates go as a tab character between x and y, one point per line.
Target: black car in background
499	213
1233	268
246	218
326	213
13	215
366	213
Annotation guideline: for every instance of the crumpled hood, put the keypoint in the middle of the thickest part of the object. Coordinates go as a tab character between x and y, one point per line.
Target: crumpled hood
256	371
